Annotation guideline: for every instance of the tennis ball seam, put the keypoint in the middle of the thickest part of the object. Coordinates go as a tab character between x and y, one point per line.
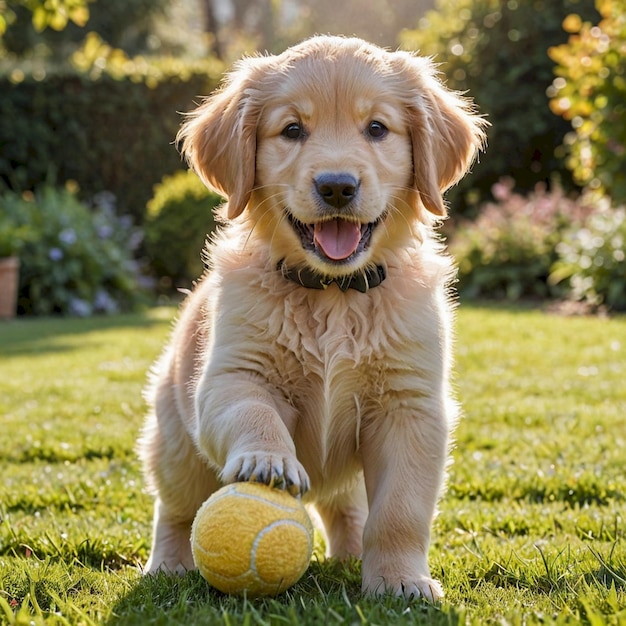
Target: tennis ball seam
255	544
268	528
232	491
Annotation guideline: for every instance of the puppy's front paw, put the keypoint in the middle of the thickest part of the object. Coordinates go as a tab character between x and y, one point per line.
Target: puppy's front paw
400	575
279	471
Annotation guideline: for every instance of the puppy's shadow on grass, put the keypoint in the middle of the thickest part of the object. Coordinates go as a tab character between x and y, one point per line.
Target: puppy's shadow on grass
328	593
164	599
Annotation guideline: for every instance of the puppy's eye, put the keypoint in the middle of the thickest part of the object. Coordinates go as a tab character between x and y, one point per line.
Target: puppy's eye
293	131
376	130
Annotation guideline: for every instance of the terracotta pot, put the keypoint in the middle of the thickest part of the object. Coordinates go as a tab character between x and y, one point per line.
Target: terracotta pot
9	280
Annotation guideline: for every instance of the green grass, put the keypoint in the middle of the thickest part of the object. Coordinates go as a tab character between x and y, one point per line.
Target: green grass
531	530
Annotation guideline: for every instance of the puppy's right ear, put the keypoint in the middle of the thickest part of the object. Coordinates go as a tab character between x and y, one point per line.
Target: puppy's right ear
218	139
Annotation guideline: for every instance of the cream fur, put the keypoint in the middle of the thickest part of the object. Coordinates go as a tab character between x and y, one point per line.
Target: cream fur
343	398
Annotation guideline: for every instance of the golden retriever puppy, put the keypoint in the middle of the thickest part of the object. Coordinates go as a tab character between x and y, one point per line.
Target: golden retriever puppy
314	355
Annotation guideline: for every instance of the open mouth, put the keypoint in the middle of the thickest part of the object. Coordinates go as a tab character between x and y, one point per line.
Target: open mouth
337	240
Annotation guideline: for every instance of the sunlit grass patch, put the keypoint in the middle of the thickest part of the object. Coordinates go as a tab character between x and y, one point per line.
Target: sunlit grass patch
530	531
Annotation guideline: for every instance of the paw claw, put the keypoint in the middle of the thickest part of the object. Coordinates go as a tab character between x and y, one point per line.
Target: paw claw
423	587
280	472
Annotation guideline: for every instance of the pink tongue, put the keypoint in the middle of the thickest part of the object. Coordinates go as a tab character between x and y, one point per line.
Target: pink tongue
337	238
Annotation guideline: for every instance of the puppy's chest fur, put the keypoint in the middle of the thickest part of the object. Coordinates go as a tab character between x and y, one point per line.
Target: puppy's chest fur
339	365
327	366
331	361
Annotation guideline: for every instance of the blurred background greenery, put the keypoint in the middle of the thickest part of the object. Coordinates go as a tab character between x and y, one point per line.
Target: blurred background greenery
91	93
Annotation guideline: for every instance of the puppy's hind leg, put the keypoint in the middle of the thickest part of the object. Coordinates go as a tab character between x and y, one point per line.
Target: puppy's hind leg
344	518
171	549
182	482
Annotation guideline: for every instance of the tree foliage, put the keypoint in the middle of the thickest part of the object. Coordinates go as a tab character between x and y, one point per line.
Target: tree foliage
379	22
55	14
275	24
125	24
590	92
498	52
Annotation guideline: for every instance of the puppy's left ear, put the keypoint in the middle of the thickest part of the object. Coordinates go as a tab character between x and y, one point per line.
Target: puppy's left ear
446	133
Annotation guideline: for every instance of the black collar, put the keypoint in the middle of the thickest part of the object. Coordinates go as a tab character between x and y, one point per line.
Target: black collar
361	281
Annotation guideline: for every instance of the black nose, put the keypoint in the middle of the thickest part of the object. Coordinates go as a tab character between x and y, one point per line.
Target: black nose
336	190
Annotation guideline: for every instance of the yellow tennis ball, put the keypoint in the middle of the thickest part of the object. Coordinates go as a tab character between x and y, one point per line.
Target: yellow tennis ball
248	537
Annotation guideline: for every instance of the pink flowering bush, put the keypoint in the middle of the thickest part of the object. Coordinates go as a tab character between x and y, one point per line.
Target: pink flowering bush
508	251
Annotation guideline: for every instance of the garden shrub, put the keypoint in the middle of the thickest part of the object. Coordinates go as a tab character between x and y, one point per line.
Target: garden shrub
498	53
74	259
179	218
590	92
591	258
108	126
509	250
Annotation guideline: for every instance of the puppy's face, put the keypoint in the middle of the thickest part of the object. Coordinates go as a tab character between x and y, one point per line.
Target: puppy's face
333	164
334	150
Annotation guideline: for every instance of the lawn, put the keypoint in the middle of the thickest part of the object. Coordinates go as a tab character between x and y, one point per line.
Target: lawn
531	530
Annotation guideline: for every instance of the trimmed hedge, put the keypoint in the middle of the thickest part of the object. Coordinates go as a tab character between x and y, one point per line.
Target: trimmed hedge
105	133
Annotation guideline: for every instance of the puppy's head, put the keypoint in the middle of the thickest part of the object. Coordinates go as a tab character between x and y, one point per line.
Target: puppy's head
335	149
